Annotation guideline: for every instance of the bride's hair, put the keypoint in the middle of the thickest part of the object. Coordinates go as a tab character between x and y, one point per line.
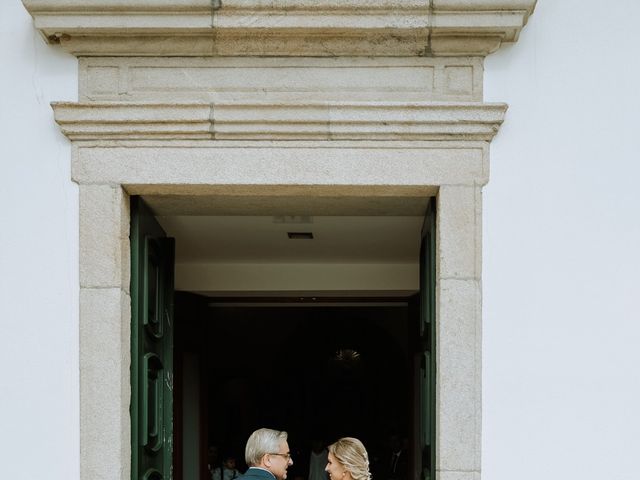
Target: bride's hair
352	455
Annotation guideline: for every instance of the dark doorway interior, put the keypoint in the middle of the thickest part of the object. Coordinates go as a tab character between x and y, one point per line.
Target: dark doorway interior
314	371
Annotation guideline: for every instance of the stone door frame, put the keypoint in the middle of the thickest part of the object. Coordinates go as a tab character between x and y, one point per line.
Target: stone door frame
107	175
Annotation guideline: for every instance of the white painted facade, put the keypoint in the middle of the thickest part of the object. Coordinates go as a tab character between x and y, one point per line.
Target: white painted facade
560	257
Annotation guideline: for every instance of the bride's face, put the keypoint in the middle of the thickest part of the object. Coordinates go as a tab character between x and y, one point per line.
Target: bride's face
335	469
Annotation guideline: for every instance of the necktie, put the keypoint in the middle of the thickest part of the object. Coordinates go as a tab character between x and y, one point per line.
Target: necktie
394	462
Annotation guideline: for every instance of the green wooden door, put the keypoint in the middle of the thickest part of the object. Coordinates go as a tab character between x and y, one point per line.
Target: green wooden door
428	337
152	259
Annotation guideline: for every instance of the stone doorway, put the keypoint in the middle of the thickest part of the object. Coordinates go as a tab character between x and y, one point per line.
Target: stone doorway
193	100
104	265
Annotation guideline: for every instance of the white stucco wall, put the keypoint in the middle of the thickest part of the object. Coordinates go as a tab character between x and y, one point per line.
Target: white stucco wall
562	248
561	256
38	258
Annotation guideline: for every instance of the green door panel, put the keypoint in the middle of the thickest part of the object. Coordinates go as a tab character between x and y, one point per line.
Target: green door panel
152	402
152	287
152	474
427	336
152	260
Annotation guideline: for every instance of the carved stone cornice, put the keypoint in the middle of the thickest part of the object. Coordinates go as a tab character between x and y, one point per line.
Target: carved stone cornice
320	121
280	28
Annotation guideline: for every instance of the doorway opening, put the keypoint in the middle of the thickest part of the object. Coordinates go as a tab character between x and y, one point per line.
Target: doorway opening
318	368
219	362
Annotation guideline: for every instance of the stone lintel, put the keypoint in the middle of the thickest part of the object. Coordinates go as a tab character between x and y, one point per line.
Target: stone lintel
312	121
403	165
289	28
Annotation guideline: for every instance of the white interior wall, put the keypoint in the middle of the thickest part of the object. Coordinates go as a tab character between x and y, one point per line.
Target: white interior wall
39	432
561	260
561	248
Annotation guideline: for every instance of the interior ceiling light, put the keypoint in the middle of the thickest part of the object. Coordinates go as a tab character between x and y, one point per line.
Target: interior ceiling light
300	235
347	355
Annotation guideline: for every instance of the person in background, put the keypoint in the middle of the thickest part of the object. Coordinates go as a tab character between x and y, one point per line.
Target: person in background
348	460
228	469
397	466
212	458
318	461
267	455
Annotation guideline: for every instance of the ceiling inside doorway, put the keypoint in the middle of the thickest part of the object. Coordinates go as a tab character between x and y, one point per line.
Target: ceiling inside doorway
254	229
265	239
314	205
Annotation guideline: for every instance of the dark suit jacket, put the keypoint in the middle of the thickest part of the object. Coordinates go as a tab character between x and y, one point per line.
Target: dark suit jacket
256	474
401	466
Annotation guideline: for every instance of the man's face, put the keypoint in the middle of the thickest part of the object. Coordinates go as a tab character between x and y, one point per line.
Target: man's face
279	461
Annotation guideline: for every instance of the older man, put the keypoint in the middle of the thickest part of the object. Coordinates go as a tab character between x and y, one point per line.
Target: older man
267	455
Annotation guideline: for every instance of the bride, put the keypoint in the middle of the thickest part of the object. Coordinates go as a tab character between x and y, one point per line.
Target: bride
348	460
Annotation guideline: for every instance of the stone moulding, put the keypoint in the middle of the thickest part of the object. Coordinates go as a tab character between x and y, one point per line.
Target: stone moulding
320	121
285	28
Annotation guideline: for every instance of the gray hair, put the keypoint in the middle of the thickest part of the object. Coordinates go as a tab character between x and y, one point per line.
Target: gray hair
352	455
261	442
